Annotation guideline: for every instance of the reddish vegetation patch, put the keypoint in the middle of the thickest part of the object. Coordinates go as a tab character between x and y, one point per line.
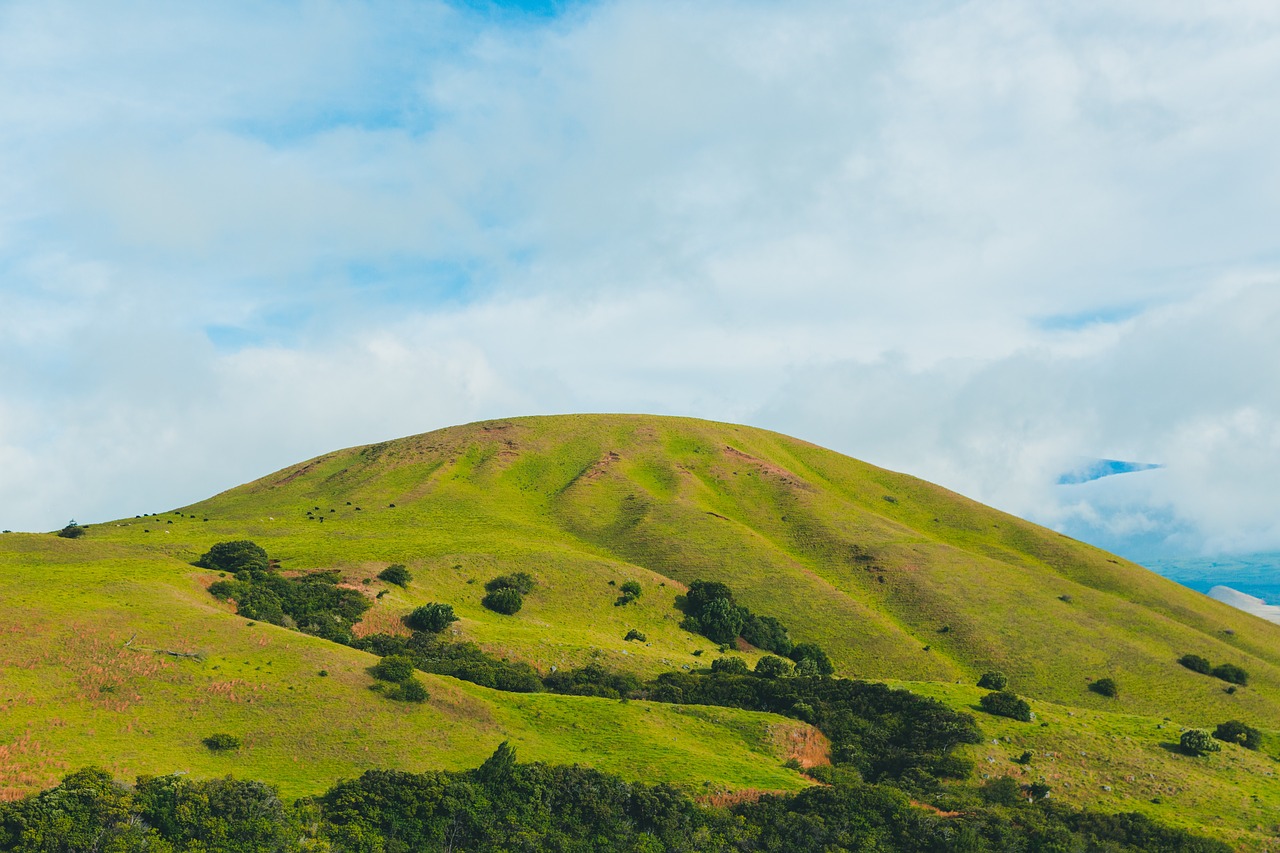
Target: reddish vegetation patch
934	809
380	621
725	799
808	746
299	472
25	766
600	466
767	467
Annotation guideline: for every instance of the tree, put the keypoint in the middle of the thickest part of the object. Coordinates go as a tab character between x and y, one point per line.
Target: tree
729	666
432	617
395	668
232	557
409	690
993	680
505	600
396	574
72	530
1234	731
721	620
812	654
521	582
1197	742
770	666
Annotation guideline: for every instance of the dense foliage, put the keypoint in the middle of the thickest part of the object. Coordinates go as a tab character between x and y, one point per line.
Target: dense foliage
503	805
1230	672
312	603
72	530
396	574
993	680
1234	731
1004	703
231	557
1195	663
1197	742
466	661
433	617
1105	687
506	601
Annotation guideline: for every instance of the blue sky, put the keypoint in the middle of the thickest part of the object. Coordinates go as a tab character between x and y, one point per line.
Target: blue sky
978	242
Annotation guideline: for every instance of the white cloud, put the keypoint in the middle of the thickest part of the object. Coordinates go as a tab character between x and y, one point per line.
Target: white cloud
886	230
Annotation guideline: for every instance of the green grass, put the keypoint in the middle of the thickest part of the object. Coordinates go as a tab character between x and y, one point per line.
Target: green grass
872	565
1124	762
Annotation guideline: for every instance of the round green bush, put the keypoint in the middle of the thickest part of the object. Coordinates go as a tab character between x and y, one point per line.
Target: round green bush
394	668
993	680
506	601
1105	687
770	666
729	666
1195	663
409	690
1234	731
432	618
396	574
222	742
231	557
1232	673
1003	703
1197	742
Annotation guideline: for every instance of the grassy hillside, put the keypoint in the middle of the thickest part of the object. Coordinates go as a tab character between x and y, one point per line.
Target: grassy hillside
896	578
86	678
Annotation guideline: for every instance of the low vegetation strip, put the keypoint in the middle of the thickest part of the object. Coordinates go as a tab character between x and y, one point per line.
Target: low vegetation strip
504	805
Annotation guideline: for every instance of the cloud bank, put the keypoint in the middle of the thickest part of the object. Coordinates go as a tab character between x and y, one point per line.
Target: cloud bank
972	241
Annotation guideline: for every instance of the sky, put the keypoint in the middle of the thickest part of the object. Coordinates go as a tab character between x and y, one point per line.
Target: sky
985	243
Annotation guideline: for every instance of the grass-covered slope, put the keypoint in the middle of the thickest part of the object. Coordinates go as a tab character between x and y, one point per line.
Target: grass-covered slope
87	677
874	566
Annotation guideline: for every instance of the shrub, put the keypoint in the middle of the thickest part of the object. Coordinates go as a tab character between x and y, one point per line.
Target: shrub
1003	703
813	655
993	680
770	666
432	617
633	634
631	588
1105	687
71	531
730	666
1232	673
396	574
519	581
222	742
1234	731
409	690
1195	663
231	557
505	600
394	668
765	632
1004	791
1197	742
721	620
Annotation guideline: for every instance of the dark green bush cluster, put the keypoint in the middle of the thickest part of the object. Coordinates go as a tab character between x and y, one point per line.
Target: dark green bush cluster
630	592
1105	687
505	805
638	636
1234	731
592	680
71	531
313	603
993	680
730	666
232	557
222	742
1003	703
710	610
1195	663
505	593
398	671
432	618
396	574
465	661
1228	672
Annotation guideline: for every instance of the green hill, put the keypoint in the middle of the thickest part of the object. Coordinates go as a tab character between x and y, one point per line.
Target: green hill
894	577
